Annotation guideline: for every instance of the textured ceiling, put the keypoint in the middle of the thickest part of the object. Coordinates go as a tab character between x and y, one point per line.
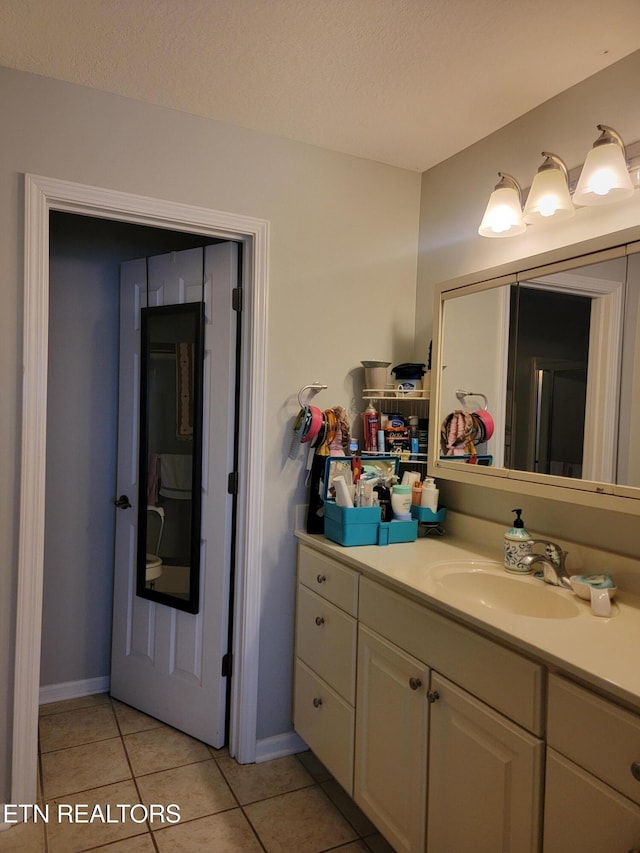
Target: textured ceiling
405	82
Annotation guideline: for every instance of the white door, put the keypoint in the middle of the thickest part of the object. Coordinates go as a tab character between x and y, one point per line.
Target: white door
166	662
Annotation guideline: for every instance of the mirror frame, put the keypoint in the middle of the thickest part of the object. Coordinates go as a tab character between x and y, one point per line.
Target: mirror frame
192	603
609	496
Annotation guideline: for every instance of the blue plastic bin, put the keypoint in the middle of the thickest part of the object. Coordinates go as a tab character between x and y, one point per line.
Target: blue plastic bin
351	525
423	513
397	531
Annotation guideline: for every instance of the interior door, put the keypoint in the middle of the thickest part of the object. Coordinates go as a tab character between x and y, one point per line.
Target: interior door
167	662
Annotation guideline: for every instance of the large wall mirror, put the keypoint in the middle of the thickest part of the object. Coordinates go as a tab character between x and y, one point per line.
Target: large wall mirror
170	455
550	357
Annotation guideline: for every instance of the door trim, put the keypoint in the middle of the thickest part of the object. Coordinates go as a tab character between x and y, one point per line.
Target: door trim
42	195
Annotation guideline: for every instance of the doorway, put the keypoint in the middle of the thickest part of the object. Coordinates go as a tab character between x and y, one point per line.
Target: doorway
43	195
84	258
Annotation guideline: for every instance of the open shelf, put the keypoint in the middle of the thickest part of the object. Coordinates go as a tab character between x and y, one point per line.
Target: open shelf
387	394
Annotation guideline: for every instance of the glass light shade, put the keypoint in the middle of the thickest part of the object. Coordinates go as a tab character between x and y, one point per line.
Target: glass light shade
503	215
604	177
548	199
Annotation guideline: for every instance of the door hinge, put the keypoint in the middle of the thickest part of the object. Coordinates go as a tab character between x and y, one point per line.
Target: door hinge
226	664
236	299
232	483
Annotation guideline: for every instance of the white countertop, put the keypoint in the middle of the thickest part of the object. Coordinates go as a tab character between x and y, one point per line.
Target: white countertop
602	652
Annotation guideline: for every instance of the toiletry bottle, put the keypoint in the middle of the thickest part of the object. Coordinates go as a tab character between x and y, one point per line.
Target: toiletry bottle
517	544
384	499
430	495
370	423
423	438
401	502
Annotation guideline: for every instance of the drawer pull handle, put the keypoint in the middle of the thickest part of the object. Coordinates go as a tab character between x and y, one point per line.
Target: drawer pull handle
635	770
321	578
433	696
317	702
415	683
319	620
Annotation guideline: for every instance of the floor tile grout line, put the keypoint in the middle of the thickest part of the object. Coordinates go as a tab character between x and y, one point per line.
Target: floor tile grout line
133	775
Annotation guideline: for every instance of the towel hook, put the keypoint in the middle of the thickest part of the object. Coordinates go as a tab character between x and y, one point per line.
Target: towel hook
461	393
314	386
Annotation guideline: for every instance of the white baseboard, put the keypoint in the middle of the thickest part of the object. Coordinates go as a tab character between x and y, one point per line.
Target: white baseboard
73	689
278	746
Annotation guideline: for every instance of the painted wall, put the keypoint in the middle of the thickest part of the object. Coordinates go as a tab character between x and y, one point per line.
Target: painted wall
342	288
454	195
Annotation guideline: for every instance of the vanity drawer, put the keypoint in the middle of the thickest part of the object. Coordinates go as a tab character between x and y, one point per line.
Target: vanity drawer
326	723
503	679
326	641
329	579
595	733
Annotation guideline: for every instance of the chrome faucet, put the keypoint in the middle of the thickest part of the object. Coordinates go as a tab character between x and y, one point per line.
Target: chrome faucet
554	570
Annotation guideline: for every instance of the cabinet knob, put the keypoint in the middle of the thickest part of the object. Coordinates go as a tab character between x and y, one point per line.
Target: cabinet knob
635	770
415	683
433	696
321	578
317	702
319	620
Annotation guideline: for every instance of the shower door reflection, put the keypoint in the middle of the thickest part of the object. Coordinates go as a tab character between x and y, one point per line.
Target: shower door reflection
170	455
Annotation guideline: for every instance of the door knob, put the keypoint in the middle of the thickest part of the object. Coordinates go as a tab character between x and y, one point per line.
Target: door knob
433	696
122	502
415	683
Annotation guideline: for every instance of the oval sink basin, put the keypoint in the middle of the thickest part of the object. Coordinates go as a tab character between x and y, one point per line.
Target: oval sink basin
511	595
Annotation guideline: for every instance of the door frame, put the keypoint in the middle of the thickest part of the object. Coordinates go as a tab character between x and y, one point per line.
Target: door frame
43	195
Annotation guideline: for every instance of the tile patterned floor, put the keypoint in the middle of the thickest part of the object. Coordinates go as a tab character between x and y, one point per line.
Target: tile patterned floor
95	751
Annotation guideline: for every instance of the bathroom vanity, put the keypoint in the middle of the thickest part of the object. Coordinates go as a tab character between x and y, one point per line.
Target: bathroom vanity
461	712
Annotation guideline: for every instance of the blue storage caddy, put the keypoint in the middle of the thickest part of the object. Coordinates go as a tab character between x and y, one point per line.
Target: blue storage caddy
423	513
351	525
397	531
362	526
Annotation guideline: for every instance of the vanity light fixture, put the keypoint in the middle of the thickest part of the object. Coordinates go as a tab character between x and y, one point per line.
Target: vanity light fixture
549	198
605	175
610	173
503	215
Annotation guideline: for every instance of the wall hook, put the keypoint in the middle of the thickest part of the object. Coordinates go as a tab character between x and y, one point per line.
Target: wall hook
314	387
460	393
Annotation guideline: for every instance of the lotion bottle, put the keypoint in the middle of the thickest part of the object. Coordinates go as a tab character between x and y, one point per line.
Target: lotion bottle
401	502
430	495
517	544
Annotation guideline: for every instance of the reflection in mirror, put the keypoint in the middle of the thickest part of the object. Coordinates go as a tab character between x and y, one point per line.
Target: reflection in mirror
565	369
474	359
557	354
547	380
170	455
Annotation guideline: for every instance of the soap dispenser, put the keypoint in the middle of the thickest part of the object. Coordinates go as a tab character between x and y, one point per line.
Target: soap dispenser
517	544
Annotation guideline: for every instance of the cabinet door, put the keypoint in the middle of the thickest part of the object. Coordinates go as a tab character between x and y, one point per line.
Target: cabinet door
391	741
582	813
325	722
484	777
